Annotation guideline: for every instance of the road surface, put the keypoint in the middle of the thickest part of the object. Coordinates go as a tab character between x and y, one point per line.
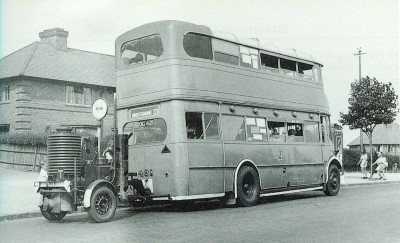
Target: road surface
357	214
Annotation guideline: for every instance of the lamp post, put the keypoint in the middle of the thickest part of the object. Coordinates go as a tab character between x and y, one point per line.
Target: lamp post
359	53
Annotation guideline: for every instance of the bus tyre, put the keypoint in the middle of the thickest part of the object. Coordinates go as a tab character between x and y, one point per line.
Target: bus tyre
332	186
248	186
52	216
103	204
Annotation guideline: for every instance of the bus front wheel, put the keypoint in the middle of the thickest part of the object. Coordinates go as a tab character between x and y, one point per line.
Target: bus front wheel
332	186
103	205
248	186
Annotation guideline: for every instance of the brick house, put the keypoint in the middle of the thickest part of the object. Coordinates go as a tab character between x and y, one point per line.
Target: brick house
385	138
47	85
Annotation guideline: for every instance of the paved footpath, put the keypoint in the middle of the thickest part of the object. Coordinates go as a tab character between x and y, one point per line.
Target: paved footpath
18	198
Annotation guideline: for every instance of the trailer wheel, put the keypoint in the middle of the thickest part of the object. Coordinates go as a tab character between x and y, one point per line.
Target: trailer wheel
52	216
103	204
248	186
332	186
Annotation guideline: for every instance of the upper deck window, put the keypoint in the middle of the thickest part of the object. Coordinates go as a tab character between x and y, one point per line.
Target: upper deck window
248	57
288	67
197	45
269	63
141	50
225	51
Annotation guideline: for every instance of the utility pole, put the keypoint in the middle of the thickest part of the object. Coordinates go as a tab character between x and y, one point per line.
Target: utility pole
359	53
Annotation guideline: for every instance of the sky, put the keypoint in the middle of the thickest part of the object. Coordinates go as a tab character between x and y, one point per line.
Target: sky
331	31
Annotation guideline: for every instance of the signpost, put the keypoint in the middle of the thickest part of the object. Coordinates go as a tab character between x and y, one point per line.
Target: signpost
99	111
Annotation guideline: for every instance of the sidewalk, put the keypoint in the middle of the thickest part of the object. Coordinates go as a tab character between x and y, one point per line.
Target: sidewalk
19	200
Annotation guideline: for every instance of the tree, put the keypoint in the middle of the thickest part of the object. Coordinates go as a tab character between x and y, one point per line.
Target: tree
371	103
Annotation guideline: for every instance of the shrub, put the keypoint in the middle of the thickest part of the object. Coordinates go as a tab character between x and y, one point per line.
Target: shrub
24	138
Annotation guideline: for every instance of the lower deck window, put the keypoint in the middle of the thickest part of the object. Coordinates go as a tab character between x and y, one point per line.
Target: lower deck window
202	125
295	132
277	131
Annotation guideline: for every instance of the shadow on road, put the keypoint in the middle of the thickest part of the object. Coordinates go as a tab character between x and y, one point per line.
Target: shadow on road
186	206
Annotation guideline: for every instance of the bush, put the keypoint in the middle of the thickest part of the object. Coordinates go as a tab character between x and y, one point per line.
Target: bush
24	138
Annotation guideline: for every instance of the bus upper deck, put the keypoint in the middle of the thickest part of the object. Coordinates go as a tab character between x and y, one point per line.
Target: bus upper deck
178	60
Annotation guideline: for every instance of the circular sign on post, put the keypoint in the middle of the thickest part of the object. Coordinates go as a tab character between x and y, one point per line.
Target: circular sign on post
99	108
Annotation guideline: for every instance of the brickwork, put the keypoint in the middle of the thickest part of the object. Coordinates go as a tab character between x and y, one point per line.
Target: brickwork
41	105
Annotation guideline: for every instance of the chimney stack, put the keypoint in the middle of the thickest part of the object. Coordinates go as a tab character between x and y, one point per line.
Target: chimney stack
57	37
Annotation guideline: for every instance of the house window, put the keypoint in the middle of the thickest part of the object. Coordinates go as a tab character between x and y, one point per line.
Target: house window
5	93
78	95
4	128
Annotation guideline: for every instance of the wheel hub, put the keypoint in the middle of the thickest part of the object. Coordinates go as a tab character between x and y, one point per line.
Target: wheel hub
103	204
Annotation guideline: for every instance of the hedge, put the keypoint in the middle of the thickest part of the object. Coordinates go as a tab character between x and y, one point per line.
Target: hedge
352	156
24	138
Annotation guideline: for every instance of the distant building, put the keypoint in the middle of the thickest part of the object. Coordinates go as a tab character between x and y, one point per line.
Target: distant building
46	85
385	138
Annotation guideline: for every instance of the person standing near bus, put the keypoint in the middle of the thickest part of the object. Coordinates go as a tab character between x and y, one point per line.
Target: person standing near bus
363	163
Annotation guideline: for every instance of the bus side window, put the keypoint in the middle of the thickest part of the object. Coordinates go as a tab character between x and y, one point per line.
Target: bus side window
256	129
233	128
277	131
269	63
248	57
194	125
197	45
225	51
295	132
211	122
288	67
311	132
325	129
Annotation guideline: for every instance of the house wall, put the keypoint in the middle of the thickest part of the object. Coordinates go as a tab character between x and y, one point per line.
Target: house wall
39	104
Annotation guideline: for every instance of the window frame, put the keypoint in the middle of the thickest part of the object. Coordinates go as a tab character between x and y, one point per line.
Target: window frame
5	91
70	95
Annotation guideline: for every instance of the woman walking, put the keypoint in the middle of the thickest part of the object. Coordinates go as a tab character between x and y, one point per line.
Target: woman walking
382	164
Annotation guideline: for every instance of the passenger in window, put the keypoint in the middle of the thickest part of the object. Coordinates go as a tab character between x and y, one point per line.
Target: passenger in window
191	133
138	58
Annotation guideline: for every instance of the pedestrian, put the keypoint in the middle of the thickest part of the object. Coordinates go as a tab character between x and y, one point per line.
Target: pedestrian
382	164
363	163
43	172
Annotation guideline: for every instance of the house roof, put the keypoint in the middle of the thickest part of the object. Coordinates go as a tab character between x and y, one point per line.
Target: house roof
382	134
42	60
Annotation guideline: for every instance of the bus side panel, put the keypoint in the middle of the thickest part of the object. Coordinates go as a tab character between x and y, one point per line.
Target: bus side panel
206	171
279	165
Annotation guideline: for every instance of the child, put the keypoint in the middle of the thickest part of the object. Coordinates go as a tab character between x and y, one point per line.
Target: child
43	172
382	164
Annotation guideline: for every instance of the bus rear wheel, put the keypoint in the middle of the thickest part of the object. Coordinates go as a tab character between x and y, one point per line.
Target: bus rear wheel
103	205
248	186
332	186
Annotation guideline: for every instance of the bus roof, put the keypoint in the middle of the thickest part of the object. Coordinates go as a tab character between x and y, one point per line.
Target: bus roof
165	25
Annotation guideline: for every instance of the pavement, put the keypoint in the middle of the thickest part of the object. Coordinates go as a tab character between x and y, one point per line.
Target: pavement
19	200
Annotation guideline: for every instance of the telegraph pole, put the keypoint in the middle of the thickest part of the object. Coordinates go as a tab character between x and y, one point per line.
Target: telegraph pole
359	53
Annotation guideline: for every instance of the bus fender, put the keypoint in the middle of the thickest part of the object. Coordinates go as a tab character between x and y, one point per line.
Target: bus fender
241	164
92	186
332	160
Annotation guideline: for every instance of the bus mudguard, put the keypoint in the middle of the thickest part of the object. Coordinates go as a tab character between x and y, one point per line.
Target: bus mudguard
332	160
241	164
92	186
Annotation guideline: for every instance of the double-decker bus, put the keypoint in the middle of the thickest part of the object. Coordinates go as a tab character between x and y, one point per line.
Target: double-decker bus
210	115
